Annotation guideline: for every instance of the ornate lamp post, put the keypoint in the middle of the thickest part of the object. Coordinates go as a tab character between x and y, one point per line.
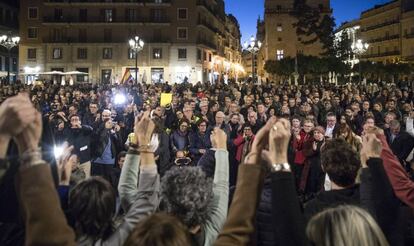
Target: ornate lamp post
9	42
136	44
253	46
359	48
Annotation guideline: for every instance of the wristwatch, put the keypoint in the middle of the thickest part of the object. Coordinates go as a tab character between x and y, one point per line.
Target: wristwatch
278	167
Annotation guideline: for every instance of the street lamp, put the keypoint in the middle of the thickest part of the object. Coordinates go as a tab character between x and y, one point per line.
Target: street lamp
359	48
253	46
136	44
9	42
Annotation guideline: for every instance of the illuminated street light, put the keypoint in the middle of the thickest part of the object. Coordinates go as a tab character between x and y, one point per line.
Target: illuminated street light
359	48
253	46
136	44
9	42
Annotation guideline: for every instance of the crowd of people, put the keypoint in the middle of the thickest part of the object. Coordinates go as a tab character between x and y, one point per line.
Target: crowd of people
220	164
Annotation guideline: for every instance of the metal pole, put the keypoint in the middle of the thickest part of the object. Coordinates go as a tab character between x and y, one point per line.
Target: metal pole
360	71
8	69
136	66
253	73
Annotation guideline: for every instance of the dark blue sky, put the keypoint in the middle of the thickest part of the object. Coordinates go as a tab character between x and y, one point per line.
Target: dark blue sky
247	11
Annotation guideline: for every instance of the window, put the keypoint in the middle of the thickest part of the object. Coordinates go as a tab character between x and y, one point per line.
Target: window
107	53
7	63
156	15
83	15
131	15
209	57
31	53
280	54
58	14
157	75
108	15
106	75
279	7
57	34
157	53
182	33
82	53
32	32
205	56
107	35
14	67
182	54
279	27
279	39
199	55
82	78
82	35
182	14
131	54
57	53
32	13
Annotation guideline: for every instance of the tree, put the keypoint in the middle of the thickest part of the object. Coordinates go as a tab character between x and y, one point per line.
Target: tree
343	47
312	28
283	67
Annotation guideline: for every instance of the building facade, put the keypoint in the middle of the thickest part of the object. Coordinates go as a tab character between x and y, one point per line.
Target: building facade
279	32
184	40
352	30
9	12
389	30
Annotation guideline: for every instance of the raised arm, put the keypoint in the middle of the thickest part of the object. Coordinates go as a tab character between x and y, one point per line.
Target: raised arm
146	196
45	223
288	220
219	204
240	221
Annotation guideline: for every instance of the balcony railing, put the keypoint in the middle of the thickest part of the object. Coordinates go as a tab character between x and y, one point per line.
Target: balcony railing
391	53
377	40
114	20
108	1
101	40
213	11
207	43
409	35
380	25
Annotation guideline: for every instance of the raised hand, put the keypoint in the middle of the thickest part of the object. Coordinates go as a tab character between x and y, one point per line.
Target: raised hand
64	163
16	113
371	148
29	138
218	139
278	143
143	130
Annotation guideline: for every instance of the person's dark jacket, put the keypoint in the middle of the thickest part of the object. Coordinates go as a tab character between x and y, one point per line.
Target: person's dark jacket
179	141
163	153
198	141
264	225
80	139
377	196
402	145
100	139
332	198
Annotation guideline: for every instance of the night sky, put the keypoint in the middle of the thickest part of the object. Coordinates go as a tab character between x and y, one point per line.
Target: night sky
247	12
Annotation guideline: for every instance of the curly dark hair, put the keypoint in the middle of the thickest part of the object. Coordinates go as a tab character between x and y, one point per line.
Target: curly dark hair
92	203
340	162
186	193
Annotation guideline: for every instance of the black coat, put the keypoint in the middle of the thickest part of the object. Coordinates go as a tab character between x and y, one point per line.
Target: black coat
100	139
332	198
402	145
80	139
264	225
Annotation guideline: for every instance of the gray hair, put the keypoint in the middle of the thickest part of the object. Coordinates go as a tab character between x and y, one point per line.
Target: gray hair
186	193
345	226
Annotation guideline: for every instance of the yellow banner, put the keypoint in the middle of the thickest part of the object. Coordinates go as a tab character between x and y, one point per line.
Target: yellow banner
166	98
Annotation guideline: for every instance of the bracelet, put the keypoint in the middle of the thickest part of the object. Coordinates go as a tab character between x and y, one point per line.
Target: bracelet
31	155
280	167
